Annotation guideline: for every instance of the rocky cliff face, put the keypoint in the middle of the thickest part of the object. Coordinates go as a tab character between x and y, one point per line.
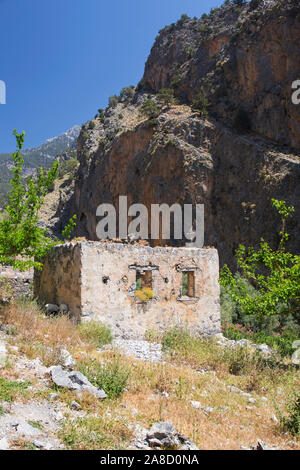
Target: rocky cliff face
245	62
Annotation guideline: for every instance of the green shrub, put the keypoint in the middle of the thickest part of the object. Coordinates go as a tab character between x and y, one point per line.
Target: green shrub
149	109
184	17
200	103
189	51
111	377
91	125
94	433
291	421
275	274
9	389
166	96
144	295
67	167
127	93
176	338
95	332
256	372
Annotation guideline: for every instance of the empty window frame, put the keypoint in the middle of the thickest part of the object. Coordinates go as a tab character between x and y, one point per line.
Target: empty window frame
188	284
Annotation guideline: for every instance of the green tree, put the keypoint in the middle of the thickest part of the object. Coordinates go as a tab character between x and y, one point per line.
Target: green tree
166	96
275	274
150	109
127	93
184	17
200	103
22	242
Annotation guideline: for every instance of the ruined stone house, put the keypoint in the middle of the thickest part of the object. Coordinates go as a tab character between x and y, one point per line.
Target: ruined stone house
101	280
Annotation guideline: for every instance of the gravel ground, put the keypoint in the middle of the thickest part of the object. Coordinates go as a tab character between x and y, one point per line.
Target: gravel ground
151	352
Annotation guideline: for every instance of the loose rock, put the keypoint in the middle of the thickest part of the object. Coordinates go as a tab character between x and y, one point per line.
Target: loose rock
74	381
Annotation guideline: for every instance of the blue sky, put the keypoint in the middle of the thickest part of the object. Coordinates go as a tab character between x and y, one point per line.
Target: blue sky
61	59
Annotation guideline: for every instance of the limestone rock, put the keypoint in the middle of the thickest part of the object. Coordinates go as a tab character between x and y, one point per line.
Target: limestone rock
163	434
66	359
74	381
4	445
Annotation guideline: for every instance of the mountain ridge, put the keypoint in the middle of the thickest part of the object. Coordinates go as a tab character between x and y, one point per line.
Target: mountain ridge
41	156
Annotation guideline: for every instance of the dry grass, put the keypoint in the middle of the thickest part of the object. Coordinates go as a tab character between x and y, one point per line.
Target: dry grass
96	432
31	324
162	391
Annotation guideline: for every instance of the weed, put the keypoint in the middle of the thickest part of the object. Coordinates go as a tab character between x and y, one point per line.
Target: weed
95	433
111	377
96	333
36	424
9	389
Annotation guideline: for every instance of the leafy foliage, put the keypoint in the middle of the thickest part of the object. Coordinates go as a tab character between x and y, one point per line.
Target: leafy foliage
94	433
166	96
184	17
200	103
275	275
291	420
95	332
127	93
149	109
9	389
283	343
66	233
68	167
22	242
144	295
111	377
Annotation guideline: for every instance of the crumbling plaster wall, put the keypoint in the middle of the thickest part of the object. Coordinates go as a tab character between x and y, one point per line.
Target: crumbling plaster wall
59	282
108	282
97	282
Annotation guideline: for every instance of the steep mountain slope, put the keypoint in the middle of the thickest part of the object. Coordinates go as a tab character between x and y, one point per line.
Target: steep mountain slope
234	161
246	61
41	156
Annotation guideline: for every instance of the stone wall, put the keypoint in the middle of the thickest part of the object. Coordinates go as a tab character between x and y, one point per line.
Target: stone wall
14	284
97	281
60	280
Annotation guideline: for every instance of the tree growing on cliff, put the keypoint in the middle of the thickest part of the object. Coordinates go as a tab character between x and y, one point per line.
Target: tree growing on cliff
127	93
22	241
150	110
275	274
200	103
166	96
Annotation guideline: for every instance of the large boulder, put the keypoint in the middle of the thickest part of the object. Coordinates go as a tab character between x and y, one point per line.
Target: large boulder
74	381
